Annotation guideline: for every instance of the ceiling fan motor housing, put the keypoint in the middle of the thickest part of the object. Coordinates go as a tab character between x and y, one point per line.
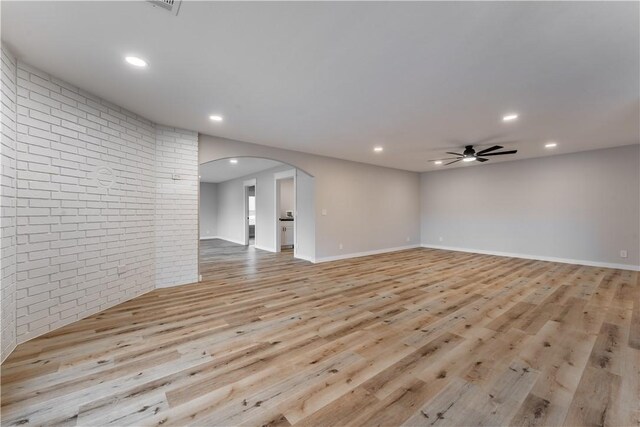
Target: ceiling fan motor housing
469	151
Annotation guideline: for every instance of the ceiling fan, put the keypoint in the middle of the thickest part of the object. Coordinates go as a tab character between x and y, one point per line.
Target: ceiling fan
470	155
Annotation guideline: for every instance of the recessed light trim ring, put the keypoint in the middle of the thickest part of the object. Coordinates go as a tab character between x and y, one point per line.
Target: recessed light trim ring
136	61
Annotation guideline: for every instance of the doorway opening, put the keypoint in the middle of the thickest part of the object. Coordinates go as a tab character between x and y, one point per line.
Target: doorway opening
285	212
244	225
250	215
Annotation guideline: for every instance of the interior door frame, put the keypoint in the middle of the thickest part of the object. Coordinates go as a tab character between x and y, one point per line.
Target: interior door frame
277	177
245	194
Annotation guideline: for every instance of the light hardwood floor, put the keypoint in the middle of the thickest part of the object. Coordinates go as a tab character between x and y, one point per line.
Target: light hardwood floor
418	337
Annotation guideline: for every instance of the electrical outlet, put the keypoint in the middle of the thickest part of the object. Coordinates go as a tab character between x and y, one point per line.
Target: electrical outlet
408	239
200	278
176	177
340	246
440	238
122	269
324	212
623	253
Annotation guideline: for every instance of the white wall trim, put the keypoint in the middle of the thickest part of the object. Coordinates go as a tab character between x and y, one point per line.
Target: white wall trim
537	257
305	258
291	173
245	196
239	242
263	248
361	254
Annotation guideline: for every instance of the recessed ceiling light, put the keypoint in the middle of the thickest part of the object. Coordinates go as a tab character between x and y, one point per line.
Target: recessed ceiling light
215	118
378	149
550	145
469	159
135	61
233	161
438	162
509	117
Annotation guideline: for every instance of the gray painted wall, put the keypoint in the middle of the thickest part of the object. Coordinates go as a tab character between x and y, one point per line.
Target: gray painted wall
229	207
286	196
583	206
305	216
368	208
208	210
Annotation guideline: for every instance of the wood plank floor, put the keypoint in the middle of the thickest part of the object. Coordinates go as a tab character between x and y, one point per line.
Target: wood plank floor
418	337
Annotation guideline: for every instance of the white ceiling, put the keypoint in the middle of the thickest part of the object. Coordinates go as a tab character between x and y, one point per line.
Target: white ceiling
336	79
223	170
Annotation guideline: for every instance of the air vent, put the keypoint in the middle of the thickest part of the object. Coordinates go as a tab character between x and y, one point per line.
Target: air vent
172	6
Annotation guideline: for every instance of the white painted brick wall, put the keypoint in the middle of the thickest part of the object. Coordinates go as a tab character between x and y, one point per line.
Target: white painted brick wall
176	207
95	195
8	202
92	212
85	204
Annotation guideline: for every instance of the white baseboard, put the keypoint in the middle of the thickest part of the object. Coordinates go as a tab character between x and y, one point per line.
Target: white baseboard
210	237
537	257
264	248
239	242
304	258
361	254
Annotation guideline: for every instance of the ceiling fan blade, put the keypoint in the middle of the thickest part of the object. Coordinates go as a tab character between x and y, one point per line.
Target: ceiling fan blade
486	150
447	158
455	161
455	154
501	153
480	159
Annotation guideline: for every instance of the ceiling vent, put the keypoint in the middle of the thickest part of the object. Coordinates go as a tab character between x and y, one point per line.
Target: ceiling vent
172	6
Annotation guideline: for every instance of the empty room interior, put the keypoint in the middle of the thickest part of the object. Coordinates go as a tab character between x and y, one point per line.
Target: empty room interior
320	213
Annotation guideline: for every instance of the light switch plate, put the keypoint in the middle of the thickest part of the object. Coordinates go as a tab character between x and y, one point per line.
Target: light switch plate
324	212
623	254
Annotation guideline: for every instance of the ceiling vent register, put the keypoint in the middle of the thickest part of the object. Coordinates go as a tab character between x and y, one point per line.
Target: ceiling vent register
172	6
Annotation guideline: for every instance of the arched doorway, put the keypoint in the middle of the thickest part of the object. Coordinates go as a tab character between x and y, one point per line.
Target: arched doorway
251	207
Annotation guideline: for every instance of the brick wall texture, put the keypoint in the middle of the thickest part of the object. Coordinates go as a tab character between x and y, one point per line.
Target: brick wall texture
105	204
8	203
